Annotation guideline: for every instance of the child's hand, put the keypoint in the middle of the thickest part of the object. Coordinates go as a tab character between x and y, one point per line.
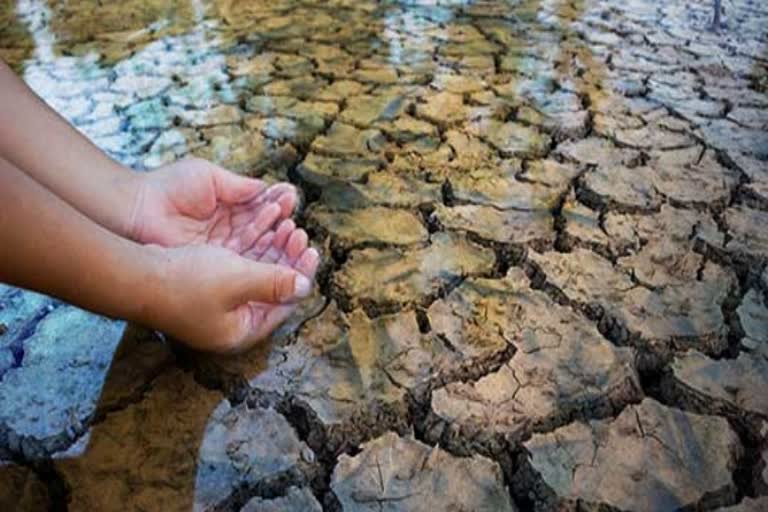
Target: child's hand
193	202
211	216
210	263
216	300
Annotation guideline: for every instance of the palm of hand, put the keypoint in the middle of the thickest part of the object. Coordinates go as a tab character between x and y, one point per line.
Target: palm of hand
194	202
287	246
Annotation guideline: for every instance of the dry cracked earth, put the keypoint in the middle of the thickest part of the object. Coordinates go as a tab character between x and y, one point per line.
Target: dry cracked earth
545	237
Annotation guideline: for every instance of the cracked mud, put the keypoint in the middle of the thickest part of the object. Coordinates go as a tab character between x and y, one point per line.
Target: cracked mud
545	281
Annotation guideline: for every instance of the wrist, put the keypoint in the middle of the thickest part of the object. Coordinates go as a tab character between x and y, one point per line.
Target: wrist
149	286
130	186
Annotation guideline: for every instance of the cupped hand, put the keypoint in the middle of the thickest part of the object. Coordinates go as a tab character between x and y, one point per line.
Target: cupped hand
216	300
286	246
214	222
195	202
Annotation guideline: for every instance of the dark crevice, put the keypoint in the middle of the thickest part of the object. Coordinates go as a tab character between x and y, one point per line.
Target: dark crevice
57	487
423	320
274	486
748	426
212	376
328	442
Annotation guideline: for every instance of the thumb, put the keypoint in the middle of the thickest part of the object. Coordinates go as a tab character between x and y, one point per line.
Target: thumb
233	188
264	282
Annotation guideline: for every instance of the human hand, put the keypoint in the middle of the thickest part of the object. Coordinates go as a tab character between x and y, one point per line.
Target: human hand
287	246
216	300
195	202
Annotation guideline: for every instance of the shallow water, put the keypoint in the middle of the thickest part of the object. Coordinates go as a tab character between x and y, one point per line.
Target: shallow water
529	211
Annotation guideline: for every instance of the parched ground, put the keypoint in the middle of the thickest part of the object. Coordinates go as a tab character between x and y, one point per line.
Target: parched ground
545	237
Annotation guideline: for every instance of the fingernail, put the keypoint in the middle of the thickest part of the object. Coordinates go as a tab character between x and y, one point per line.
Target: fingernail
302	287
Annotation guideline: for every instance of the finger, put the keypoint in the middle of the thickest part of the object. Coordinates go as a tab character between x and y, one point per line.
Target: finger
260	320
276	250
271	319
308	262
278	190
243	238
246	237
262	282
274	192
282	233
283	194
272	255
260	246
294	247
296	244
263	223
285	260
245	213
287	202
233	188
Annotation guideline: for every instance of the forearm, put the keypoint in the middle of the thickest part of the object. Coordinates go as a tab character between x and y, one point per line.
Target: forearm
50	247
42	144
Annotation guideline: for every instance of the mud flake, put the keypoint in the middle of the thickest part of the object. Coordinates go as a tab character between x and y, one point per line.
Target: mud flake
340	90
653	137
407	129
468	152
458	84
688	176
728	136
383	189
243	446
499	188
511	139
299	132
404	474
245	151
320	170
739	382
370	109
753	315
742	221
302	88
296	499
550	173
65	360
649	458
505	226
443	108
681	313
584	276
596	151
344	363
549	376
376	75
345	140
582	224
622	187
371	225
392	276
